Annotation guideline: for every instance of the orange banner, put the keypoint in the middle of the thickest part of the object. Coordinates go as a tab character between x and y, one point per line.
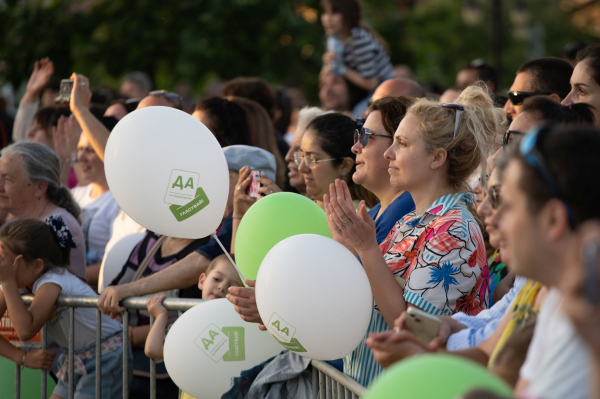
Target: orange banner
8	332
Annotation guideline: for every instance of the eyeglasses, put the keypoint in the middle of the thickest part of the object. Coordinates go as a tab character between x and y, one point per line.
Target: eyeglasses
175	98
534	158
517	97
509	136
459	111
362	136
310	161
494	195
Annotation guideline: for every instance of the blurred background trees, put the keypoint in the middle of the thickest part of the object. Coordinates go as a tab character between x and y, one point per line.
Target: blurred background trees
189	42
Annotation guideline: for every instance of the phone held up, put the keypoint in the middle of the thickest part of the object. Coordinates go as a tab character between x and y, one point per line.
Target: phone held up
252	189
423	325
64	93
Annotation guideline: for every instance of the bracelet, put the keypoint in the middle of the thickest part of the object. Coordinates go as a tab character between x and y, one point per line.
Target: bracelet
23	361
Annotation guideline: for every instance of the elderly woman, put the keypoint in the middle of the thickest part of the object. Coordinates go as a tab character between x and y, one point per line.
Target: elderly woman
30	188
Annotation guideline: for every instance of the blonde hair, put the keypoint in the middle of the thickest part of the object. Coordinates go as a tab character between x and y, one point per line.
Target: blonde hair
477	131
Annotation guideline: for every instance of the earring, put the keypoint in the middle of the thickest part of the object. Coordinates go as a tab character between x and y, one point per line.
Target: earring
432	166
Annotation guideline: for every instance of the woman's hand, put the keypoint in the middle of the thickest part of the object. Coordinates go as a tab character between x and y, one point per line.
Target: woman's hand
389	347
155	307
81	95
8	269
59	135
267	186
241	200
244	300
42	72
39	359
356	228
438	342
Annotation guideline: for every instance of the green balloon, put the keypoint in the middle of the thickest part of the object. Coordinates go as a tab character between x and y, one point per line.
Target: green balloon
31	381
271	220
435	376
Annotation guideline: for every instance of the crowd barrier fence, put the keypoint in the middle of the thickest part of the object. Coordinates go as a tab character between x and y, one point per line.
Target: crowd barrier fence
327	381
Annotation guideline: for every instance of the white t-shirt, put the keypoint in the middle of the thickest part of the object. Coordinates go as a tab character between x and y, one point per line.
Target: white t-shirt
98	215
557	364
123	226
85	318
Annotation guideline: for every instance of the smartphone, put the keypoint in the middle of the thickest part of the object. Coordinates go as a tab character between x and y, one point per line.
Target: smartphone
64	93
591	263
423	325
252	189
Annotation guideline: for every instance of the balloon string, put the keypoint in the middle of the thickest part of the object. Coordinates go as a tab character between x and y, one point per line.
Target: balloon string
214	235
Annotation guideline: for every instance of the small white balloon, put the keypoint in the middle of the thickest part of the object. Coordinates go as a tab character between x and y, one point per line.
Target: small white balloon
209	344
314	296
167	172
115	259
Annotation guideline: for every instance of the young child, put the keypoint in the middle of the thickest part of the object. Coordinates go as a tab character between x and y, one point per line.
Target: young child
214	283
353	51
34	255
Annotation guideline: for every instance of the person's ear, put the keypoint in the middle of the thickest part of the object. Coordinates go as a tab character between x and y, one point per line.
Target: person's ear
438	158
38	266
346	165
555	219
201	280
555	97
41	188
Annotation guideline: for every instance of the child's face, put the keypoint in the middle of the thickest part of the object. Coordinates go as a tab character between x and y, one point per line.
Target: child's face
216	284
333	22
25	272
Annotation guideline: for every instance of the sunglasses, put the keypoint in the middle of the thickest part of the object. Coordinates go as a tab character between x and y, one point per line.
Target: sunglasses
517	97
175	98
494	196
459	111
532	156
362	136
509	136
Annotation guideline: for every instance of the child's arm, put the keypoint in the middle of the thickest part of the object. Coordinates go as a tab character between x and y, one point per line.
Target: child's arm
156	337
356	78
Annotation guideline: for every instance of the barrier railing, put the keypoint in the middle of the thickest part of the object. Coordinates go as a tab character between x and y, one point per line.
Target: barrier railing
328	382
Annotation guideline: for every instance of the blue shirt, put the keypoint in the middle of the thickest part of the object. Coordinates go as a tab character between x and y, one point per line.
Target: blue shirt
394	212
482	326
212	249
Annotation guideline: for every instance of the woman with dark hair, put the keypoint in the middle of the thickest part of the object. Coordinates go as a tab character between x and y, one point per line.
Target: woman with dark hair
585	81
225	119
43	122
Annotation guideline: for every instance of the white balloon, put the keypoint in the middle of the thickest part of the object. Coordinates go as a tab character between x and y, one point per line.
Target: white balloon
167	172
209	344
314	296
115	259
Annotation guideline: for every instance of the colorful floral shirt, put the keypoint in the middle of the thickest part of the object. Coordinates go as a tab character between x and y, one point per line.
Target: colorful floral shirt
441	256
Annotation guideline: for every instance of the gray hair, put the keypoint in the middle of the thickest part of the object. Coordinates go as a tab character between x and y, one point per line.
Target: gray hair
40	163
307	114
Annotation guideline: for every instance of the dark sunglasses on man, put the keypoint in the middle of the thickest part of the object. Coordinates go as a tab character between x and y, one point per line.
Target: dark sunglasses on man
517	97
509	136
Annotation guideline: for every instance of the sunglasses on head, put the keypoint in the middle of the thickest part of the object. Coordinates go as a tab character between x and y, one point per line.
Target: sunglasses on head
175	98
459	111
528	148
517	97
509	136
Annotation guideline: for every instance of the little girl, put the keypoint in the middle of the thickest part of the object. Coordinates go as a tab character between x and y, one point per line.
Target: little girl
34	255
214	283
353	51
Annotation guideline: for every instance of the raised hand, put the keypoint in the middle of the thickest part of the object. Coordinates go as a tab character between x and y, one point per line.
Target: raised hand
42	72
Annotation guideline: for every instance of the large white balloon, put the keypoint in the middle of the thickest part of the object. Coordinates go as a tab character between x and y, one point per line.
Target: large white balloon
209	344
167	172
115	259
314	296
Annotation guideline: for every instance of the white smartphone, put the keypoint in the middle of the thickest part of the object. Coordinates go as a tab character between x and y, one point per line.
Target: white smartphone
423	325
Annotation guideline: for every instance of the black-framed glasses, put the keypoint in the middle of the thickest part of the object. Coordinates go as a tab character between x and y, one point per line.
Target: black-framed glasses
528	149
362	136
517	97
459	111
509	136
175	98
494	196
310	162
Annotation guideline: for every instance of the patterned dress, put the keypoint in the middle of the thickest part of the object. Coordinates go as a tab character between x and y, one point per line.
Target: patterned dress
441	256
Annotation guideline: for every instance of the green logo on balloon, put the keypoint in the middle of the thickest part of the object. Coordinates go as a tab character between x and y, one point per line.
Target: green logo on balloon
280	328
293	345
227	343
183	193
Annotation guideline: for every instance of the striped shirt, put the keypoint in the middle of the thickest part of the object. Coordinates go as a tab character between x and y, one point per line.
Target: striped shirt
364	54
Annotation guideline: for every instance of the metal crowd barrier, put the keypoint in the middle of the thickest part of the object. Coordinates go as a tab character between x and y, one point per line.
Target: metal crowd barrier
328	382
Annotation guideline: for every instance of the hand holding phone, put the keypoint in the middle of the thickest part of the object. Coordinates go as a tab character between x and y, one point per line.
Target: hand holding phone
422	324
252	189
64	93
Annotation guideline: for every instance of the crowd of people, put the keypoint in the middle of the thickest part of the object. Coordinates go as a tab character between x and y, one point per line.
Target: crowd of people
476	206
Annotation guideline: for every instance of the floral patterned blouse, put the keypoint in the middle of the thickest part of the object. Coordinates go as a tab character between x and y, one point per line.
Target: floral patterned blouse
441	256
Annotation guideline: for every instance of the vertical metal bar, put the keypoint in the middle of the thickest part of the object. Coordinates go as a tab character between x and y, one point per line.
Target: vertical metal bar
152	370
44	382
71	352
315	373
98	354
179	313
334	387
125	354
321	385
328	387
340	390
17	381
347	394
